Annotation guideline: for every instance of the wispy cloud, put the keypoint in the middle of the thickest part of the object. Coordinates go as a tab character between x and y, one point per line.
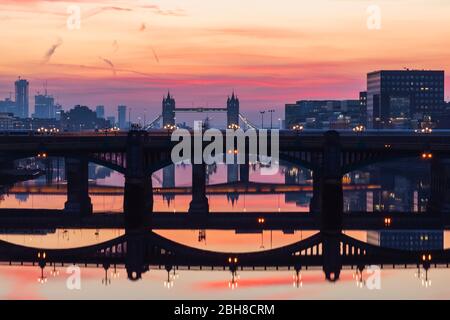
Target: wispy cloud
51	51
164	12
257	32
109	63
99	10
155	55
115	46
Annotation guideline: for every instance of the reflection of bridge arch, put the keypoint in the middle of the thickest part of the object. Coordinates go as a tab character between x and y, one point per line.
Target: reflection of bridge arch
354	161
138	251
113	161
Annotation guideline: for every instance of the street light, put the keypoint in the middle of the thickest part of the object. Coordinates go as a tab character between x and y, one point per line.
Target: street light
271	111
427	156
262	119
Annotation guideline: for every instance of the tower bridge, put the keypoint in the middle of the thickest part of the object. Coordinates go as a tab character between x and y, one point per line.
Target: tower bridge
169	111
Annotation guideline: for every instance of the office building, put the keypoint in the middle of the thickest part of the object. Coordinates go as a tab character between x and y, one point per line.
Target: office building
122	116
397	98
7	106
325	114
100	111
44	107
7	121
22	98
415	240
58	111
112	121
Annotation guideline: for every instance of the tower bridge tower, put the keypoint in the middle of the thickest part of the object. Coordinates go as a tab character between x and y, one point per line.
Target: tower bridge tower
232	110
168	110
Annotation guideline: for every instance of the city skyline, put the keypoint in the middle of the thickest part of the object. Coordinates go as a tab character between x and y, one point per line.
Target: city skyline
201	53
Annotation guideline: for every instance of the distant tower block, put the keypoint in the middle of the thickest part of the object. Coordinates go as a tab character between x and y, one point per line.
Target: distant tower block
232	110
168	110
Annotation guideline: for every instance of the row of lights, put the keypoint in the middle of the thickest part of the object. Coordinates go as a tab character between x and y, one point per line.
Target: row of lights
359	128
170	127
427	155
298	127
43	130
424	130
233	126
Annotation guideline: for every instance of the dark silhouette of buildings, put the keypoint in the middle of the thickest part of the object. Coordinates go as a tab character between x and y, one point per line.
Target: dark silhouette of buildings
82	118
325	114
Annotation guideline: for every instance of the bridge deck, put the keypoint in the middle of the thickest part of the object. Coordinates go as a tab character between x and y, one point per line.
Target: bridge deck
287	221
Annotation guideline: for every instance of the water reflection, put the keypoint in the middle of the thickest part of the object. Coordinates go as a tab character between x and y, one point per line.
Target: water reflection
20	283
387	188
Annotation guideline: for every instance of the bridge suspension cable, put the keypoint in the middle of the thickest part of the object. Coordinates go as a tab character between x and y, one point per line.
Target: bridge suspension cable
247	122
152	125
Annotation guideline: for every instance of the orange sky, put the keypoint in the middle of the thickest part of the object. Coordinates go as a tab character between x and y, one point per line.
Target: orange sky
271	53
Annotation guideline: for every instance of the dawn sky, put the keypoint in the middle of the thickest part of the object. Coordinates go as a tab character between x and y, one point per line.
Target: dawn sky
270	52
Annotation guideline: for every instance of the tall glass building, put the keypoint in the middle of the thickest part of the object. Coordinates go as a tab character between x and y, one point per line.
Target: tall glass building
399	96
22	98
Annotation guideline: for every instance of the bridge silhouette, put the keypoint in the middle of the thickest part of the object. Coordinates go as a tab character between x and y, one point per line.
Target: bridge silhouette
139	251
167	118
138	154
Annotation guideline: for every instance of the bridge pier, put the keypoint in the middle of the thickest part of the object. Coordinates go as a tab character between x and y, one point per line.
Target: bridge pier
134	258
199	203
77	176
168	180
439	188
244	169
138	193
330	184
232	173
232	170
315	203
331	252
48	171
